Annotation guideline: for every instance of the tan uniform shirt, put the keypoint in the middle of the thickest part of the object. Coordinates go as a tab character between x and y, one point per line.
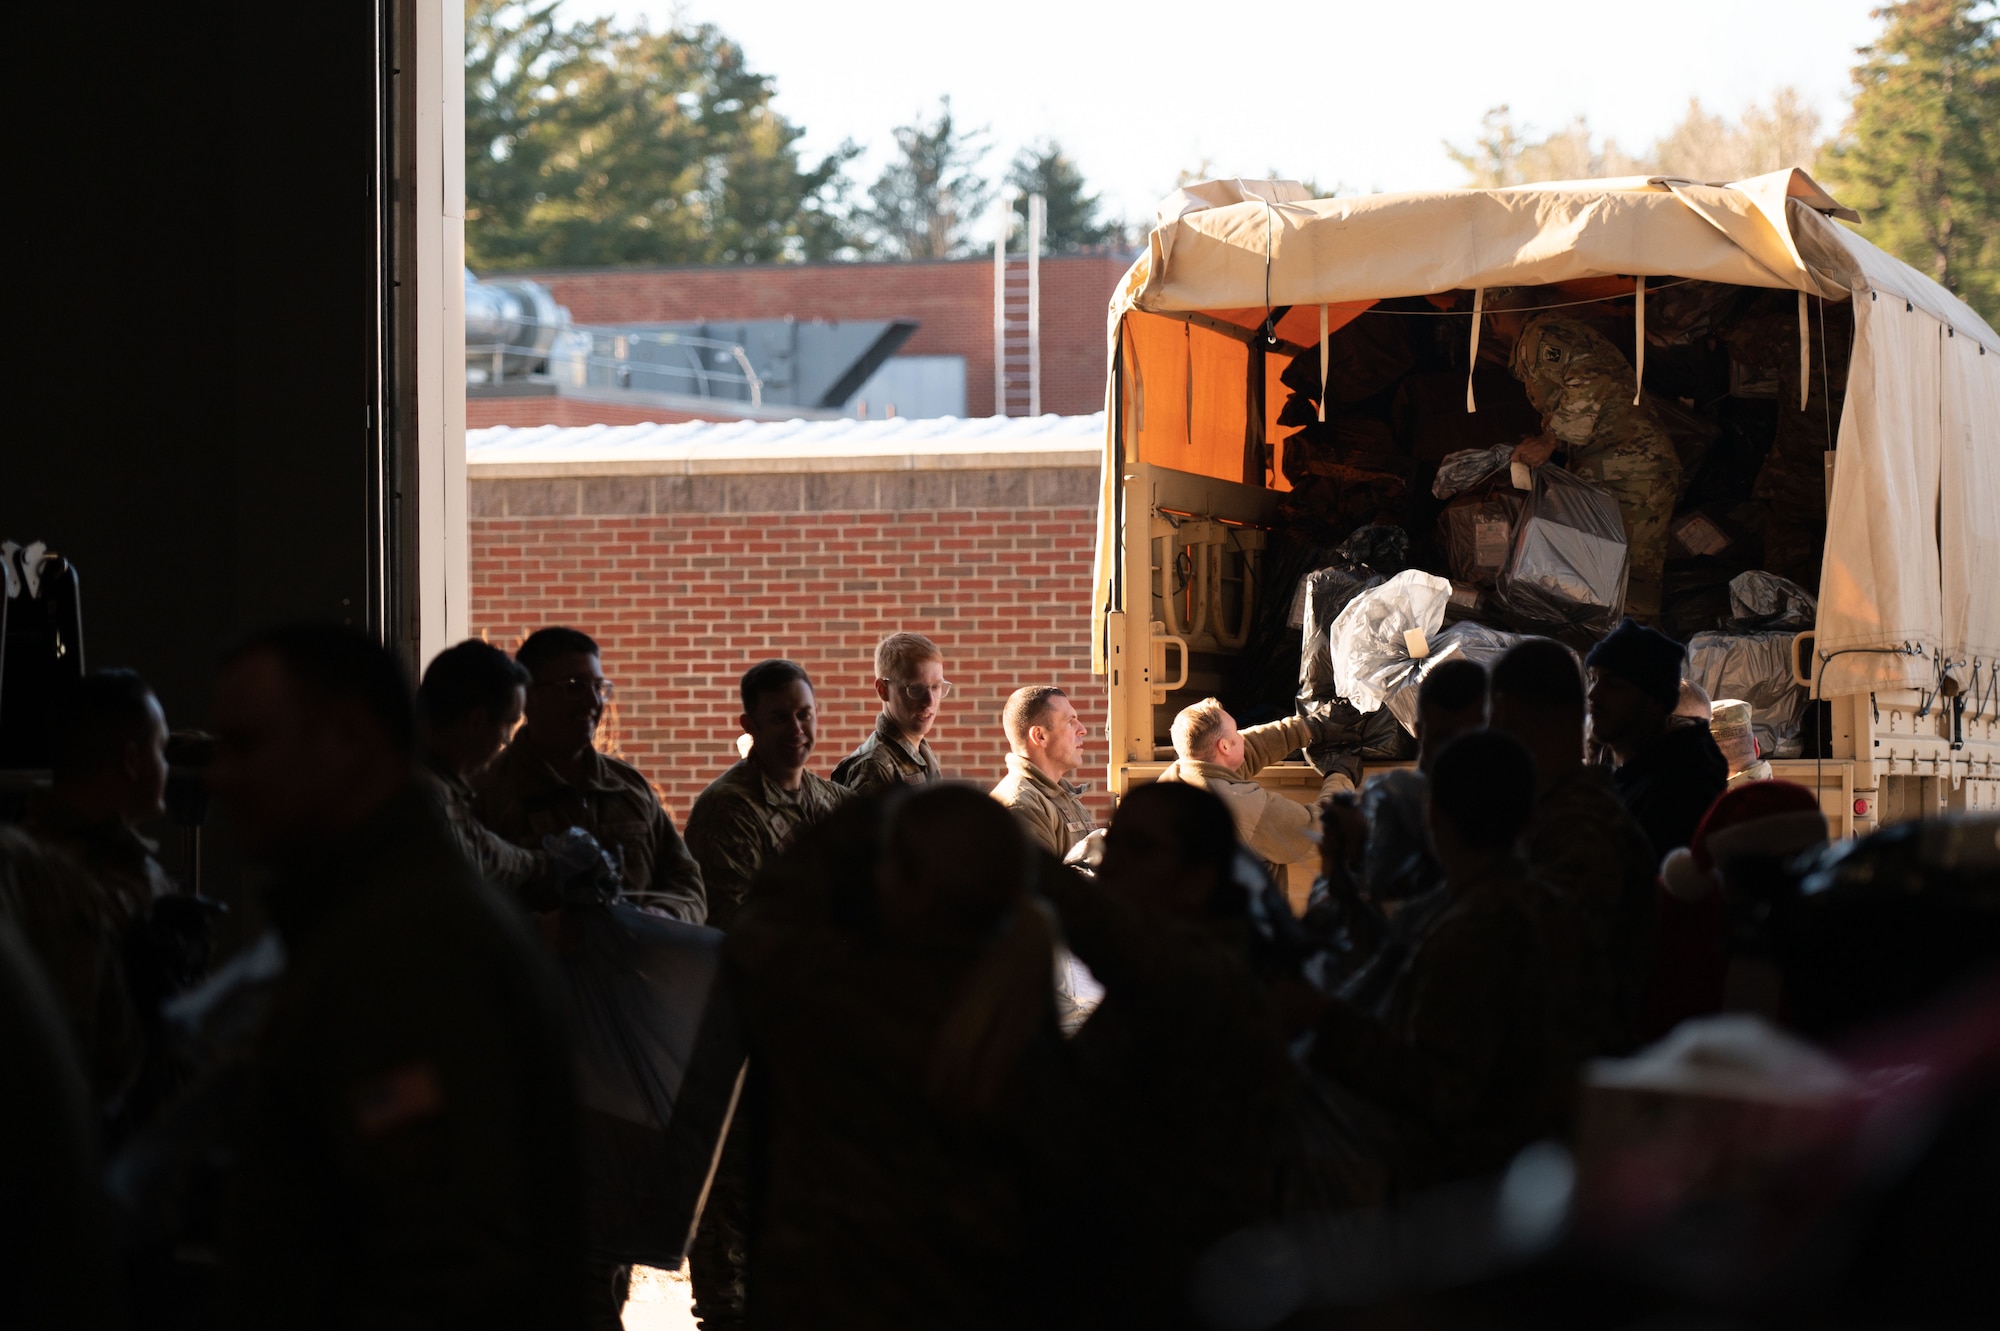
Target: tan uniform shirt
1049	810
741	821
883	762
119	858
1275	828
524	799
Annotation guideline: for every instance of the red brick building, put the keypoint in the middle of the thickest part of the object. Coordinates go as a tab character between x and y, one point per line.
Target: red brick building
951	300
689	559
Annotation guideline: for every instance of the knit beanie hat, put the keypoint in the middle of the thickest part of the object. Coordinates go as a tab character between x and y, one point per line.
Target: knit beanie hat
1774	818
1648	660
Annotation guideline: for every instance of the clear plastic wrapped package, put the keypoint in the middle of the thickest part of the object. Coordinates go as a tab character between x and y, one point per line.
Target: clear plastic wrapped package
1476	533
1468	468
1568	565
1765	601
1755	668
1382	635
1464	640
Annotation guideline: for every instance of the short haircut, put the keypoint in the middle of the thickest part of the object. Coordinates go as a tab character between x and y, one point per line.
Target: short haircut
768	677
545	645
1540	672
900	653
1455	684
467	677
96	717
1025	708
333	663
1204	830
1194	729
1483	787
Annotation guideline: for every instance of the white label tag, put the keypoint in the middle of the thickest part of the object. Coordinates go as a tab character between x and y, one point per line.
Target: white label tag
1699	536
1415	644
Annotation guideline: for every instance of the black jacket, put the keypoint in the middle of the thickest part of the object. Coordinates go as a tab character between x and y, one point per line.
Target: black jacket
1670	783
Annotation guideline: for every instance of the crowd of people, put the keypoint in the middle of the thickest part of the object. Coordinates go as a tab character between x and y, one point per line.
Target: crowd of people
1004	1067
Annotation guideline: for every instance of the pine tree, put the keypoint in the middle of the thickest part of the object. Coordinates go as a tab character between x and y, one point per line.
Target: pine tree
589	143
1072	219
1919	157
926	202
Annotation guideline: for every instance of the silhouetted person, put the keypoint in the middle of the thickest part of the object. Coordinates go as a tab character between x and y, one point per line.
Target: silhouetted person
1391	828
1667	772
409	1151
1462	1057
1182	1068
469	704
894	982
1581	840
53	1224
110	776
551	778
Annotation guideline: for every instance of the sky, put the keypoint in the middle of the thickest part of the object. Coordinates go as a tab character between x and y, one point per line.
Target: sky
1355	95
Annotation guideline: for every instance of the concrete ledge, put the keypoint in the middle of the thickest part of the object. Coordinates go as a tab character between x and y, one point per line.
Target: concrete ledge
1051	481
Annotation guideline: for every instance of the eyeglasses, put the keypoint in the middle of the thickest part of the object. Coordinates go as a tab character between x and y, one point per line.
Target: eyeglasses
576	686
920	693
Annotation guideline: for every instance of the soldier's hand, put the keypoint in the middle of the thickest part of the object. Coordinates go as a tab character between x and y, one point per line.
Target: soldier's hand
1534	452
1343	831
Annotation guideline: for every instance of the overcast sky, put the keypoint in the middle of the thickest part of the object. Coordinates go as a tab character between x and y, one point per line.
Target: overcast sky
1355	94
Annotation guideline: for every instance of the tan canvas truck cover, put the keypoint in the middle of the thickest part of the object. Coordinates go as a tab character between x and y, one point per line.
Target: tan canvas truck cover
1910	584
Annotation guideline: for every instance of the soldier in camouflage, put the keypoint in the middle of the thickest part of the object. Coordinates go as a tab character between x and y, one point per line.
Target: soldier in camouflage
1584	388
909	679
1047	743
753	810
551	778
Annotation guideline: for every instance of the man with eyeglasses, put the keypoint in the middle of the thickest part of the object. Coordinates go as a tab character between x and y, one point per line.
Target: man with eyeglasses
909	679
551	778
1047	742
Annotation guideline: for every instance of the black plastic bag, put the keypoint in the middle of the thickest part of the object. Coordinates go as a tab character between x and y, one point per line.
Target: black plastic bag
640	986
1465	640
1476	534
1470	468
1569	561
1755	668
1765	601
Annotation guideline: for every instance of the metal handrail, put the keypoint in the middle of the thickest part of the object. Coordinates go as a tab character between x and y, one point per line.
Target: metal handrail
621	364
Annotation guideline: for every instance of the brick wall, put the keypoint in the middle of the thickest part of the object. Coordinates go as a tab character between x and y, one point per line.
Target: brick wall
685	580
952	300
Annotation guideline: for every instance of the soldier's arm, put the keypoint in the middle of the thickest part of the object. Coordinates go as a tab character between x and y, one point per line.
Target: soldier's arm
727	841
1266	744
1040	820
522	876
677	887
1283	834
868	775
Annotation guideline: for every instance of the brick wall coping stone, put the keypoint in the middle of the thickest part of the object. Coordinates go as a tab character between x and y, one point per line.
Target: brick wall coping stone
746	448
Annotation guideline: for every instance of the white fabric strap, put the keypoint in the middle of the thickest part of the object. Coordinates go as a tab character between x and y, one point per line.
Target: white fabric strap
1472	364
1322	363
1805	353
1638	338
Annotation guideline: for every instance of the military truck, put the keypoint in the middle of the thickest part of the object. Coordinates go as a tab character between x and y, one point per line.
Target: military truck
1280	365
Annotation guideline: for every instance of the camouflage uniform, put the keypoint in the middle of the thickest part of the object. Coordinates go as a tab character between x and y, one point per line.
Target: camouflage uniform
1463	1057
1048	810
1583	386
1583	843
883	762
1276	829
520	875
741	821
524	799
71	923
116	856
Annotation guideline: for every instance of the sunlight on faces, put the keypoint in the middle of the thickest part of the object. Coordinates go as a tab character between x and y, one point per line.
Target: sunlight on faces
914	716
783	726
1059	734
566	702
